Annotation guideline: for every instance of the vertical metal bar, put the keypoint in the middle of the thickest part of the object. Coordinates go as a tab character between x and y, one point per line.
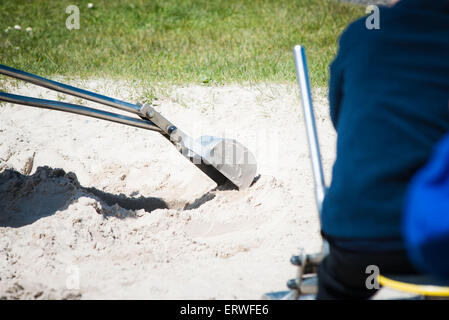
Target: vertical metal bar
312	136
64	88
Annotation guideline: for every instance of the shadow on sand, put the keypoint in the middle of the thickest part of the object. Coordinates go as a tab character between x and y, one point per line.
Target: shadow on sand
25	199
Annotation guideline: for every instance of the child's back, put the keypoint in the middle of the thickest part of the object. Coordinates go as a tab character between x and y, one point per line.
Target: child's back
389	93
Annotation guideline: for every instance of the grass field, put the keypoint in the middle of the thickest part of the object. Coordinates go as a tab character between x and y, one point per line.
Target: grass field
174	41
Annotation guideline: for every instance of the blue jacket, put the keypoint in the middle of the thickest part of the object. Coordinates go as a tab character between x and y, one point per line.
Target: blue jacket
389	93
426	214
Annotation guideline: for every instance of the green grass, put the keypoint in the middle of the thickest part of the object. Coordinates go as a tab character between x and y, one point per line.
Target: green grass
174	41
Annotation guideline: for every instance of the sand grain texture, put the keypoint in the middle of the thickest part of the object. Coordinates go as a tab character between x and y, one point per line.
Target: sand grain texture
92	209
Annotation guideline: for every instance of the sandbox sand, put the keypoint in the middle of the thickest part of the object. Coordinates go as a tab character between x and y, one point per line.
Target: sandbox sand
91	209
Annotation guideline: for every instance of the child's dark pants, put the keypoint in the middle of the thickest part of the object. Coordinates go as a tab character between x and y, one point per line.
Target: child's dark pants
343	274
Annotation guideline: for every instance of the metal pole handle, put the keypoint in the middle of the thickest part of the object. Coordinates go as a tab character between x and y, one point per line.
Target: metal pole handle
64	88
73	108
312	136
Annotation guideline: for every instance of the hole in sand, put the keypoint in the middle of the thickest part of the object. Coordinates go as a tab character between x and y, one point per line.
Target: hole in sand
25	199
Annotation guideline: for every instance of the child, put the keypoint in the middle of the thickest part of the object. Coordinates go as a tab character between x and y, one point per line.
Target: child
389	89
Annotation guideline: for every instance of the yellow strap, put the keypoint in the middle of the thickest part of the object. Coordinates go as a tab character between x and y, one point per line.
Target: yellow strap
426	290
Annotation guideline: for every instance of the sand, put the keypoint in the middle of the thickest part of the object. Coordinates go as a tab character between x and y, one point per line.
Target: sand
96	210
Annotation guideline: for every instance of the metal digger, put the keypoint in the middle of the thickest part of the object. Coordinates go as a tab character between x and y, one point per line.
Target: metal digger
225	161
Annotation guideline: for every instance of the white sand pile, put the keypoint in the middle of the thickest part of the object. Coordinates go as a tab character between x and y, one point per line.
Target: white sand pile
93	209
